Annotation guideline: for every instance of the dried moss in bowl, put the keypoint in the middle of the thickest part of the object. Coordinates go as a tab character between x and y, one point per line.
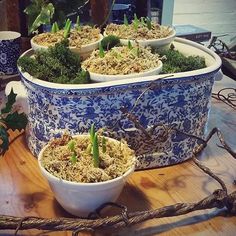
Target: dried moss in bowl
72	159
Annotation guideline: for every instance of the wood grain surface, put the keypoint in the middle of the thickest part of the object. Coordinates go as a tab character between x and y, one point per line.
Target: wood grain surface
24	191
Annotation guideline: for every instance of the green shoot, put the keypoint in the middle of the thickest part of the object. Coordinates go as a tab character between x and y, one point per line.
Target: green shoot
142	21
92	132
55	27
130	45
136	22
77	24
67	29
71	147
89	148
53	30
104	147
136	51
95	151
67	23
73	158
149	23
126	20
101	51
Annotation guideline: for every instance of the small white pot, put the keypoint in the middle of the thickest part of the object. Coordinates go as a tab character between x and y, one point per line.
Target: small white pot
82	198
84	51
106	78
155	43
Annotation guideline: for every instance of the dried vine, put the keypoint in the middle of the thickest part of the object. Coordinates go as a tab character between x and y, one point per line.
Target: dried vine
218	199
229	98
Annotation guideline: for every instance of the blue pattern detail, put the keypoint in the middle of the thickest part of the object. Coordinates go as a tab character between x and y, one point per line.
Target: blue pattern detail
177	102
9	54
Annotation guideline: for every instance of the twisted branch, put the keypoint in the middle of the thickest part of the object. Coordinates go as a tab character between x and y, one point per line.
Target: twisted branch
218	199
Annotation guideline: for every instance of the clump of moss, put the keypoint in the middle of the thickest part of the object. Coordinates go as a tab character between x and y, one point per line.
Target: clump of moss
175	61
110	41
57	64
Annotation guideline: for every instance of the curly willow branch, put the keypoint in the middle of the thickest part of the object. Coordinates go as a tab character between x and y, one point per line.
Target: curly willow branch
218	199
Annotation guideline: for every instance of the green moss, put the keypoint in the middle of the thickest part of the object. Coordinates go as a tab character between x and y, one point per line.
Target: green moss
177	62
110	41
57	64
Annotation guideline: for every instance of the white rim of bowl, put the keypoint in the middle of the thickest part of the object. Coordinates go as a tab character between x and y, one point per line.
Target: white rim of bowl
83	46
9	35
116	77
172	35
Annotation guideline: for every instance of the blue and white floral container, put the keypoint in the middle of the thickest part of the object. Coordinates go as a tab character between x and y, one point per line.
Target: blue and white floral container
181	101
9	52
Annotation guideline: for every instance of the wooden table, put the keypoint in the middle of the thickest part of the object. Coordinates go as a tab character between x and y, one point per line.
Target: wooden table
24	192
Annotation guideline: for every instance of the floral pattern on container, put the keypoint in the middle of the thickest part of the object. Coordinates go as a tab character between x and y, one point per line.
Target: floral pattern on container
181	103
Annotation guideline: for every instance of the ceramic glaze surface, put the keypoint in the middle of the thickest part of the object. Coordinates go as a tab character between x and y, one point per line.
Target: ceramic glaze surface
182	105
9	52
179	102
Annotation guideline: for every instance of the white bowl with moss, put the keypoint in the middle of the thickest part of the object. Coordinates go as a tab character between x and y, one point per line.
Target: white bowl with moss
121	63
157	36
82	42
79	182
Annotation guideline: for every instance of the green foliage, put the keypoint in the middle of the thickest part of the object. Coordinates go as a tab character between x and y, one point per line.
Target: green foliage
39	12
149	23
110	41
177	62
77	25
15	121
136	51
42	12
4	140
101	51
95	151
11	99
136	22
92	132
57	64
55	27
93	147
82	77
67	28
104	147
71	147
125	20
130	45
142	21
10	121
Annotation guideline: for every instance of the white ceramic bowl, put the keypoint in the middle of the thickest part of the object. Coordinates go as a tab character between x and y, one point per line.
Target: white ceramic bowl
105	78
82	198
84	51
155	43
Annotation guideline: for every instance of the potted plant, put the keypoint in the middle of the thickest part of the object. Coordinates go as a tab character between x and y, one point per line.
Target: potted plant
83	39
142	31
85	171
179	98
122	62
